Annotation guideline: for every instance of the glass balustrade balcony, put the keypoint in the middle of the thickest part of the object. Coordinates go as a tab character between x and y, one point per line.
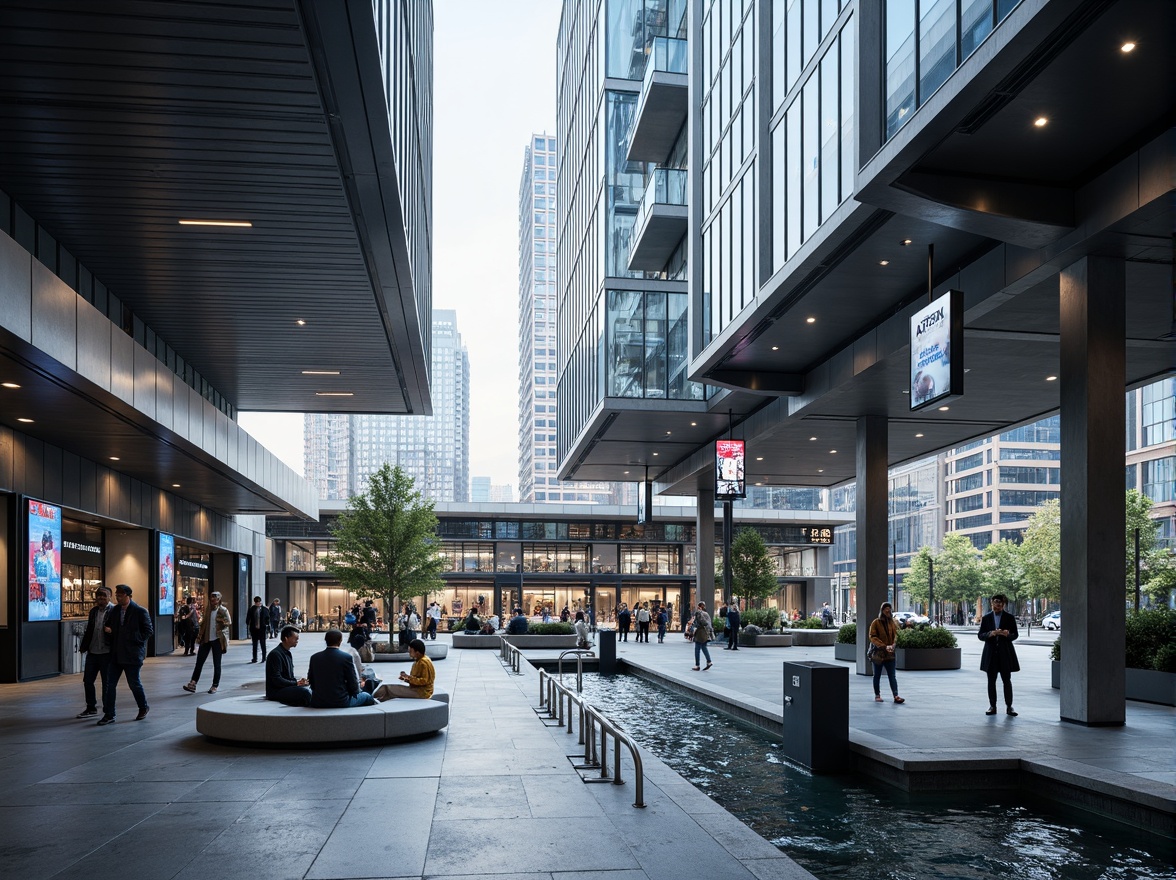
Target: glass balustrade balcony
661	219
663	105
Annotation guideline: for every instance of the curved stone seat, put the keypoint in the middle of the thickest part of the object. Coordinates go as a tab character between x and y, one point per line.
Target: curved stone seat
467	640
433	651
254	719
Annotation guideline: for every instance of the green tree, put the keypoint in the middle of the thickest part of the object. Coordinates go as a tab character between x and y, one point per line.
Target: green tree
958	576
1157	569
753	573
1041	552
386	541
1004	570
917	581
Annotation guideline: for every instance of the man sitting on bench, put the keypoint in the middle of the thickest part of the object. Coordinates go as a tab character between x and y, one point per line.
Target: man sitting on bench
280	683
418	683
333	681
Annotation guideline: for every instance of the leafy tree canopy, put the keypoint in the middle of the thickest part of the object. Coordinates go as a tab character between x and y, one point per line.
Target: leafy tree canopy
1041	552
753	574
958	577
1004	570
917	582
386	541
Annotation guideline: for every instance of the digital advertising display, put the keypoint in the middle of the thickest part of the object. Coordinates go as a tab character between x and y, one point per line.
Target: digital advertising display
167	574
937	358
44	561
729	459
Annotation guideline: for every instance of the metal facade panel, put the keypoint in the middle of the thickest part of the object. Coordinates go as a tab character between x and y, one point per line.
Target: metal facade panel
15	288
54	319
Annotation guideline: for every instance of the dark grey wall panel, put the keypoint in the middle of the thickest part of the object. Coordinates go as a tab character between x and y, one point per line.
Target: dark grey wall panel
71	475
179	406
88	485
32	468
93	344
164	395
7	454
122	365
16	267
51	471
55	327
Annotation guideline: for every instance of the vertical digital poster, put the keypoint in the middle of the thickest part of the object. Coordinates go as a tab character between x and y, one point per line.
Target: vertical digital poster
44	561
937	356
167	574
729	460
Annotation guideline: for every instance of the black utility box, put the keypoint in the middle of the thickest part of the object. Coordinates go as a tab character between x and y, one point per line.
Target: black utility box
816	715
606	650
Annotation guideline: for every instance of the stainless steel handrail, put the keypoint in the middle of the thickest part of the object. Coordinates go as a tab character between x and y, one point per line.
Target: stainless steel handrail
511	656
552	694
580	653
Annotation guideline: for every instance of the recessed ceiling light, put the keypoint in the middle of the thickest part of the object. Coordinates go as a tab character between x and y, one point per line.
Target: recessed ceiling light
905	242
775	348
812	438
320	372
300	323
906	392
1051	378
832	451
944	408
10	385
810	320
175	485
26	421
334	394
1041	122
918	435
759	484
114	458
694	424
759	458
668	433
884	262
1129	46
626	472
820	470
245	224
655	455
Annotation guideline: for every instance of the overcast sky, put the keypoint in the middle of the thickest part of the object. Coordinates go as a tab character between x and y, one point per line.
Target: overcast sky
493	86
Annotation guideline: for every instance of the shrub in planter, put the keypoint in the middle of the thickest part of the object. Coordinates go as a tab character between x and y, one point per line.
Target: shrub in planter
764	618
550	629
808	623
1149	632
847	635
752	630
1165	659
932	637
1055	653
719	625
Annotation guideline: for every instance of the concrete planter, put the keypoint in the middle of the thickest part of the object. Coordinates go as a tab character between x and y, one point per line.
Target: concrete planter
813	638
765	640
1144	685
525	642
845	652
463	640
928	658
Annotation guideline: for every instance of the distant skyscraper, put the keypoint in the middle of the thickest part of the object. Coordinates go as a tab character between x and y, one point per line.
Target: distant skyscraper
342	450
538	362
479	489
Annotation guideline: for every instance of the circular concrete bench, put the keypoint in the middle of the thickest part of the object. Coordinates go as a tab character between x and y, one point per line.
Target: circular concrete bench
254	719
433	651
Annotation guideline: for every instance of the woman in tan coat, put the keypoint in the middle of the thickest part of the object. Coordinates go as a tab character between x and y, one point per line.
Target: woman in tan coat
883	635
213	638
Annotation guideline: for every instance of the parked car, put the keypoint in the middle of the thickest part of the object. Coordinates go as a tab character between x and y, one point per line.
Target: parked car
902	617
1052	621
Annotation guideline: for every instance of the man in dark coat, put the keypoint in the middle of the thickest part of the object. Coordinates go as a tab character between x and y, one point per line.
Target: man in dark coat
334	683
128	628
96	646
733	625
998	631
280	683
259	624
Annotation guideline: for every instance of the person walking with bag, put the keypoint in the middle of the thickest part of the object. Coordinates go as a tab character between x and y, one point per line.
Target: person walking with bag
702	631
883	635
213	638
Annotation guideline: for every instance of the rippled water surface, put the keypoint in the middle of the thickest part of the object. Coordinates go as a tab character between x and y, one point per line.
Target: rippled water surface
845	827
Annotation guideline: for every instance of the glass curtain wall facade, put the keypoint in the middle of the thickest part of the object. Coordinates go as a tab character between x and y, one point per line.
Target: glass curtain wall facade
538	417
1151	452
621	332
342	450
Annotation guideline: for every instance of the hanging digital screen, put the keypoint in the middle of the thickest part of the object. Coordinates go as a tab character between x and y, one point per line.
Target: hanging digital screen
167	574
44	561
729	473
644	497
937	354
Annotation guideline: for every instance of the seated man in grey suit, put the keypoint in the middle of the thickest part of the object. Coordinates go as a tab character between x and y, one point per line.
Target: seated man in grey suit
334	683
280	683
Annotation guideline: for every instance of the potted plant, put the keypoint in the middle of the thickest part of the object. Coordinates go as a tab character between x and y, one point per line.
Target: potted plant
1151	657
811	632
763	630
927	647
846	647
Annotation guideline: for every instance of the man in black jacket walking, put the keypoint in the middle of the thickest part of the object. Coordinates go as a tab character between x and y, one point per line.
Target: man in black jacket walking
96	646
280	683
128	627
259	623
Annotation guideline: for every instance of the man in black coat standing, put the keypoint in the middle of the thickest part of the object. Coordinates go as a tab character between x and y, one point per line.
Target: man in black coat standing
259	624
733	625
998	631
128	627
280	683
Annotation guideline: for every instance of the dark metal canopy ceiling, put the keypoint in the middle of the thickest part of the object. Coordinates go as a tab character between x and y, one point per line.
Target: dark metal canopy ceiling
119	119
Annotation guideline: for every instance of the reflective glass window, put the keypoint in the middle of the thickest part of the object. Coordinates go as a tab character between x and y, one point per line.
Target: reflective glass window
811	157
830	119
975	24
655	345
791	164
937	21
848	138
900	63
793	37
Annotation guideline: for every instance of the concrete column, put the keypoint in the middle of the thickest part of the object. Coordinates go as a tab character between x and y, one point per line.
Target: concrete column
1093	376
872	528
704	549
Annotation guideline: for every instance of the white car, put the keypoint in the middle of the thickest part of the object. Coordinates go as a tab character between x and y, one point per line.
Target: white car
1052	621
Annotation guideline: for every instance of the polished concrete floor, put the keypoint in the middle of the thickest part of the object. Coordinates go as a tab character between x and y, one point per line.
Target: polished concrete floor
495	794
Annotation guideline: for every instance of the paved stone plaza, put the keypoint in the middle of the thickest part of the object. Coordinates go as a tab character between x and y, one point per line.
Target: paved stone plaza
493	795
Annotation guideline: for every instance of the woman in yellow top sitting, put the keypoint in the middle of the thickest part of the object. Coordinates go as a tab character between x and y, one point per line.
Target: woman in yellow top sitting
418	683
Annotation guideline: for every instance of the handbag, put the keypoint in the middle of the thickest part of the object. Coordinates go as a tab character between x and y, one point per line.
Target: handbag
367	653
